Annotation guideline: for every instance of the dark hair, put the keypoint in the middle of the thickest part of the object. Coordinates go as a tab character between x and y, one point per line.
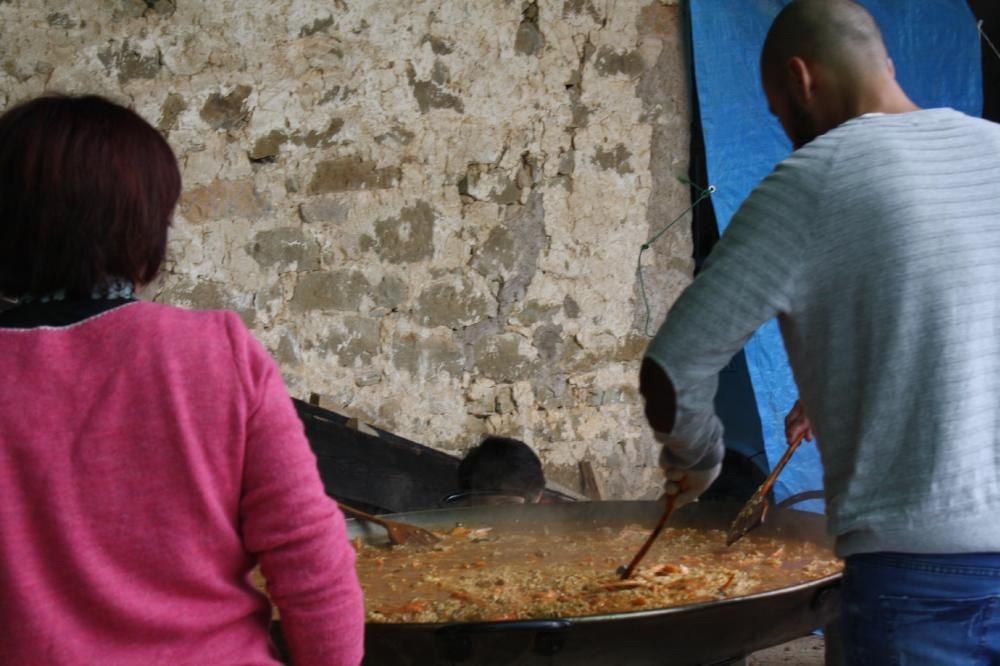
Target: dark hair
87	191
502	465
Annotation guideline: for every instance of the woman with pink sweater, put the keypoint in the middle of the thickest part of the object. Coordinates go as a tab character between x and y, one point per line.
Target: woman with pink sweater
150	456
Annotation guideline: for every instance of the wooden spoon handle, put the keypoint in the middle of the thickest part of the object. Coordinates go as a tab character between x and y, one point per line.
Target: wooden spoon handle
358	513
765	487
667	512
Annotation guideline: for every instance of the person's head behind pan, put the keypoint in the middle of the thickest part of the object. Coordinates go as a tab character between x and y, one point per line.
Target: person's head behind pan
87	192
503	466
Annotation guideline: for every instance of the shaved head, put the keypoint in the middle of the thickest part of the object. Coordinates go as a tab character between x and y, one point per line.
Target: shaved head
839	34
823	63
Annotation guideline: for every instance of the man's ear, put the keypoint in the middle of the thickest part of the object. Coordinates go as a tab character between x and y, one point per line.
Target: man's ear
891	66
801	80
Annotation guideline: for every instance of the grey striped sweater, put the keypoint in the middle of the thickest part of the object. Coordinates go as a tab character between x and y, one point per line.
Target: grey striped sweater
877	246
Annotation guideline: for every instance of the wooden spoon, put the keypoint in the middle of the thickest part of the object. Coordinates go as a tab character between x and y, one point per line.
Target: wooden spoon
626	572
399	533
754	512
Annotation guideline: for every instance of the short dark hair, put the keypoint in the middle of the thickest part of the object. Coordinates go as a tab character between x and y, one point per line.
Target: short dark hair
502	465
87	192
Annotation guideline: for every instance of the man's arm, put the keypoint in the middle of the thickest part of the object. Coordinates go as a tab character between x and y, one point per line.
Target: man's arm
661	399
750	277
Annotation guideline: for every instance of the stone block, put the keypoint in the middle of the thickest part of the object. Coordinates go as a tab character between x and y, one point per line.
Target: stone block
548	340
227	111
533	312
501	358
222	200
408	237
616	159
550	398
498	254
268	146
571	307
143	8
288	352
354	339
454	303
173	106
567	163
433	93
348	174
392	292
505	400
61	20
316	210
660	19
481	407
529	39
610	62
131	61
523	395
319	25
427	356
210	296
368	378
330	290
631	348
134	64
486	183
438	45
319	138
581	7
287	248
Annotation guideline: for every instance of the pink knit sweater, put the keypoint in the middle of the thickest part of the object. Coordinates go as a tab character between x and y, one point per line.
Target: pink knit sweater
149	458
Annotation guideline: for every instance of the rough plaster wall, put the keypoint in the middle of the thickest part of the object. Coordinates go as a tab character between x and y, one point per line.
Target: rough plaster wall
428	210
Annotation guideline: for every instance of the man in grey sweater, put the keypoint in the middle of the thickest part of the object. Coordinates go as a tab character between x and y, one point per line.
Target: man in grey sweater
876	244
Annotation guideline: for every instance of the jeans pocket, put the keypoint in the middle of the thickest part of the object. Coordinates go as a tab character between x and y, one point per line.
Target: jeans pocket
937	632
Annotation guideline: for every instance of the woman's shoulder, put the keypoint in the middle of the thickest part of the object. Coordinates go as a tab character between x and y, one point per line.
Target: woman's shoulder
207	321
197	339
172	324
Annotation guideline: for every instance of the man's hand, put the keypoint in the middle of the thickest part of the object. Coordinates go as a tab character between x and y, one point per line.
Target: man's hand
796	422
696	482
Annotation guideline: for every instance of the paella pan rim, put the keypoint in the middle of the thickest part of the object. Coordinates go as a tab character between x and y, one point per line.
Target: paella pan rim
818	583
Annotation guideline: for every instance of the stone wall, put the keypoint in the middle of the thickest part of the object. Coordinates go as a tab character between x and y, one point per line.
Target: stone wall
428	210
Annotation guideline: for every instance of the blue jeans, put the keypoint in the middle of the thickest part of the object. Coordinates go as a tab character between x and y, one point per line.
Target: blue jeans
922	610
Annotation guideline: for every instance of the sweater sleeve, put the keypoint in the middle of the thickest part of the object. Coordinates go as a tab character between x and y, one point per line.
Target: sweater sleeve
295	530
749	278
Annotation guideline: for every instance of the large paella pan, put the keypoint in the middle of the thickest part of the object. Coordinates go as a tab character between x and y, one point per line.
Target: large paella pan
535	584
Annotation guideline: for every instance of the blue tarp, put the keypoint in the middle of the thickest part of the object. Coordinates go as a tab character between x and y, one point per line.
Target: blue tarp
934	45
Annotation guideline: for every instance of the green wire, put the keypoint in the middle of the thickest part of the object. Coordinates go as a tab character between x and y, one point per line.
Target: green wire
704	194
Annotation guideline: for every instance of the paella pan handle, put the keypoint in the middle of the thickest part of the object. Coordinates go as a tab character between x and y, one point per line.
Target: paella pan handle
804	496
826	597
455	640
